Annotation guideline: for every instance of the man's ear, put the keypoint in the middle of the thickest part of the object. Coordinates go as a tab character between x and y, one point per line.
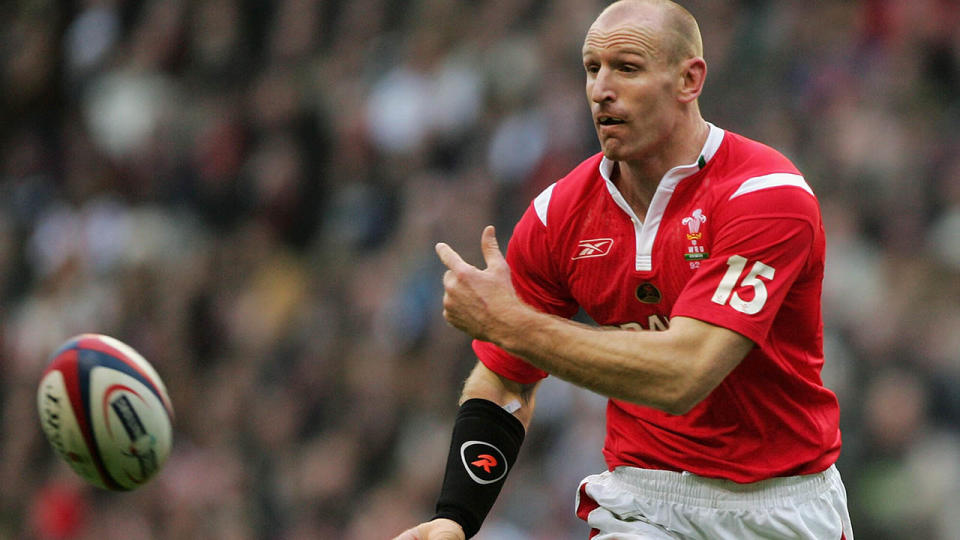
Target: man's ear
693	73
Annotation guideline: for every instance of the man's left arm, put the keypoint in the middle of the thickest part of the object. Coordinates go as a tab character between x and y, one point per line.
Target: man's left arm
763	244
640	367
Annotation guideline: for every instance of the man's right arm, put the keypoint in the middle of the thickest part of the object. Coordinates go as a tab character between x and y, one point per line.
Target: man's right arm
483	383
491	391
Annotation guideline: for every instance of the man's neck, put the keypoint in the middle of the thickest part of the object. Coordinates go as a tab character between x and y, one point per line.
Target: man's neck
637	180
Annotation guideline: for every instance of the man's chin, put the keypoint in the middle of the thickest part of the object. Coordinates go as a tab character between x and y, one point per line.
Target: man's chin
612	147
616	150
613	153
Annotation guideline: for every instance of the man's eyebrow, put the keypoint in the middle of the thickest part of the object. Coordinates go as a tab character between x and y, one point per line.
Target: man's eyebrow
587	51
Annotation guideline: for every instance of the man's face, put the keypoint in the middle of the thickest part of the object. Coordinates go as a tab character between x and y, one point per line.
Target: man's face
631	87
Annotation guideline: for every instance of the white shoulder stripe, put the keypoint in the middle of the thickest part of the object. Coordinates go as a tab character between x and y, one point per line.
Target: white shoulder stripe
770	181
542	202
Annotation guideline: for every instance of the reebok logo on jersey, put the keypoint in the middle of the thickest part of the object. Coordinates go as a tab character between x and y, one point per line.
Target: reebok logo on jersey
484	462
598	247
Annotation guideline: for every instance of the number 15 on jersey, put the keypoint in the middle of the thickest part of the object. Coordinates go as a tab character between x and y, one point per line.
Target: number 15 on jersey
725	293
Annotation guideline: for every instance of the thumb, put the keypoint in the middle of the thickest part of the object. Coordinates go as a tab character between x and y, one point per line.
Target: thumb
491	249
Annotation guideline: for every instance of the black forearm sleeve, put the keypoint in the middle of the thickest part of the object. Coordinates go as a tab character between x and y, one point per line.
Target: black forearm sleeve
486	441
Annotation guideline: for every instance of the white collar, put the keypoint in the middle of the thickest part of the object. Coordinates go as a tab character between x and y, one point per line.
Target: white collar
710	146
646	230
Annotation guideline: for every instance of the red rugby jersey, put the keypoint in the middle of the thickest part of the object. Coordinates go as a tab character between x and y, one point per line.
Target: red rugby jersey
735	240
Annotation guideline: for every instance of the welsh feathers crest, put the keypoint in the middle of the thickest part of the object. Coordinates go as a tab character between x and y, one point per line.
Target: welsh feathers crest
694	221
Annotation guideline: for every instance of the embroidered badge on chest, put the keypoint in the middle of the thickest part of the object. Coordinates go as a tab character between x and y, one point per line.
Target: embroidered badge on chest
696	251
648	293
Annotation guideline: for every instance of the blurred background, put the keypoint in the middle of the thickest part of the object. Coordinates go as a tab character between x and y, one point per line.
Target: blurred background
248	192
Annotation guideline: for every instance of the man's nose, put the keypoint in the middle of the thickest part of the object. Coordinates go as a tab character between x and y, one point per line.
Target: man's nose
602	88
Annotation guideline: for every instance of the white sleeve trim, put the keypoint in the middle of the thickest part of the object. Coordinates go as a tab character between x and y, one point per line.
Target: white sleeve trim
542	202
770	181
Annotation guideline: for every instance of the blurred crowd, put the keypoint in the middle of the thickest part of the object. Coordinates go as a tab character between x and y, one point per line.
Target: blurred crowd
248	192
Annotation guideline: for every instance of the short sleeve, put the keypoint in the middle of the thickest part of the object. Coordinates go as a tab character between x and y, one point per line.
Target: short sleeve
763	242
538	284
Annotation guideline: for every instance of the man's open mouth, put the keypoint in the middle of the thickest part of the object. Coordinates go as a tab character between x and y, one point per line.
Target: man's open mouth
609	120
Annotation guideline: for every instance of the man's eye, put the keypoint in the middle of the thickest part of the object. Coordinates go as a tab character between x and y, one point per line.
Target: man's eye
591	68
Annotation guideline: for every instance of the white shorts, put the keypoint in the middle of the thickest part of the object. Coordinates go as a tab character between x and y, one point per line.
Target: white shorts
632	504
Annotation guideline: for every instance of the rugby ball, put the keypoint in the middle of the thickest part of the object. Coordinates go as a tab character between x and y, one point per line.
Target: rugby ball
106	412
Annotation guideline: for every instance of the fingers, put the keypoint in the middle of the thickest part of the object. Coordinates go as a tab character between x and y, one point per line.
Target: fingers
409	534
438	529
488	245
448	256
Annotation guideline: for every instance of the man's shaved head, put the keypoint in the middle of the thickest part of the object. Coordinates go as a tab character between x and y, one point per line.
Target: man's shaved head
678	34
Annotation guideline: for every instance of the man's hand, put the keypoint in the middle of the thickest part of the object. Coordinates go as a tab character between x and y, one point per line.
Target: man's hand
438	529
478	301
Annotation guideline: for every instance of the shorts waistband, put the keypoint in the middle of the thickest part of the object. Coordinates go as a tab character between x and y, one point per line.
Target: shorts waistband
688	488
